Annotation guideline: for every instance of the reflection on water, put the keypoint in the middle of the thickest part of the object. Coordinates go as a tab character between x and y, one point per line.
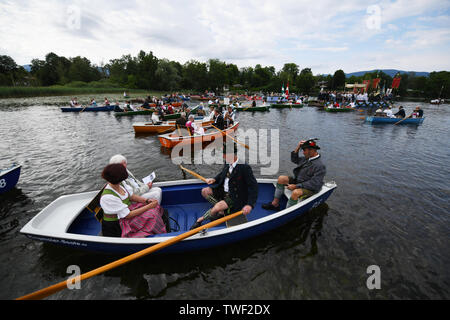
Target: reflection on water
390	209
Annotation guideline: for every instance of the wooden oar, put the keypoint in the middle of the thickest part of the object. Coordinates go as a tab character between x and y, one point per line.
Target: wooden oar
41	294
194	174
243	144
83	109
403	119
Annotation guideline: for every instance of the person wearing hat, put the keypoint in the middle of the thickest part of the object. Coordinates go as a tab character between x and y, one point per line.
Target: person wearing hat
219	123
308	176
233	189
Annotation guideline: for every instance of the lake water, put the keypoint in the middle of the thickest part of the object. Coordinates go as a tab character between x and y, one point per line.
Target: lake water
390	209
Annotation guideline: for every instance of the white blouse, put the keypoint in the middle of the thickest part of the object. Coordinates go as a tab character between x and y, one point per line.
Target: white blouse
113	205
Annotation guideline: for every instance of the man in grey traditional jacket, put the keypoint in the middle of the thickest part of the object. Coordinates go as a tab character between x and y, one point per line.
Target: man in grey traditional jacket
308	176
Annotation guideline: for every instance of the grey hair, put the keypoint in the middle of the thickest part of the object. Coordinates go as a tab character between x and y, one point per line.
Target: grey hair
118	158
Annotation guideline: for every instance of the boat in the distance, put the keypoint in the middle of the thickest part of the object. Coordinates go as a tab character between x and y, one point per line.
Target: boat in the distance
89	109
170	140
338	109
286	105
252	109
68	222
9	178
149	127
387	120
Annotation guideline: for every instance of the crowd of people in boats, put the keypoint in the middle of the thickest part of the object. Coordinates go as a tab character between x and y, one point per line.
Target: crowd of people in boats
132	208
349	97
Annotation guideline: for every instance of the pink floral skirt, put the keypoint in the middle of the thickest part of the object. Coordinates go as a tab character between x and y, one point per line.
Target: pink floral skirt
146	224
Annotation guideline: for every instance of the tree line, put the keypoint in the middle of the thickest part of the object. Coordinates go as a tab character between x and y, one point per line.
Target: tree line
146	71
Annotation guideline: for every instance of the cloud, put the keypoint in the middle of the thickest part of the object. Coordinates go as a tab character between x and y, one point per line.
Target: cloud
327	34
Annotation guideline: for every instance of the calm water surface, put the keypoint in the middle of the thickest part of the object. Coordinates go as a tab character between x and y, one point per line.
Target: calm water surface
391	209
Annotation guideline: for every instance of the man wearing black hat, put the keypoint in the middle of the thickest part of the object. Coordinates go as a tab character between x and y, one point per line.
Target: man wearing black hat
218	120
308	176
233	189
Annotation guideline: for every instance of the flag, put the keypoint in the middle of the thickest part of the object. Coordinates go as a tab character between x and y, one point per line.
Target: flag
367	83
375	83
287	90
396	82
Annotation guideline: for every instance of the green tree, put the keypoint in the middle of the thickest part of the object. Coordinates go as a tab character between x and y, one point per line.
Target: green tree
167	76
338	80
305	81
217	72
195	75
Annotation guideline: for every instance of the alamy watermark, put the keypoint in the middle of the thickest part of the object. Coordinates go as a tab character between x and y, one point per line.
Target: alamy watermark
74	281
256	142
374	280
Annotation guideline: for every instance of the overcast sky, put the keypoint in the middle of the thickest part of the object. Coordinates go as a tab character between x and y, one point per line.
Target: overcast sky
322	35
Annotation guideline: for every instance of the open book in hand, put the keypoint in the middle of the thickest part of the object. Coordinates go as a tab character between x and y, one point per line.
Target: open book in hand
149	178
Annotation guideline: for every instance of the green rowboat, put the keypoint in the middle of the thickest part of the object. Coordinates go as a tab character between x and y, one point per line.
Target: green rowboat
287	106
251	109
134	113
339	109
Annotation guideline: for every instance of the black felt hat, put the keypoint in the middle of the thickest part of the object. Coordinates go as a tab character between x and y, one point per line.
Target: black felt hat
311	144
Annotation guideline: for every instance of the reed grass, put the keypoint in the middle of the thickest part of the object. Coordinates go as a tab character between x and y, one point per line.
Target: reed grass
22	92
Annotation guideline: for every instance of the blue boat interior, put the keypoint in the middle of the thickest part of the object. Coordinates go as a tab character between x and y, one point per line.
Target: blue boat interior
185	205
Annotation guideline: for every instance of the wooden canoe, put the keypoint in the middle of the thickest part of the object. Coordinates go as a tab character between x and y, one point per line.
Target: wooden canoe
170	140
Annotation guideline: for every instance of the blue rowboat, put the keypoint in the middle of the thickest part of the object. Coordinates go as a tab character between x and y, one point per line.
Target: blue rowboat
89	109
9	178
372	119
67	222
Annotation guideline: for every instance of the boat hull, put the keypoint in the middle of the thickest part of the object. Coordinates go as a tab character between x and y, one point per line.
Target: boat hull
252	109
9	178
182	199
382	120
89	109
134	113
338	109
286	106
171	140
164	127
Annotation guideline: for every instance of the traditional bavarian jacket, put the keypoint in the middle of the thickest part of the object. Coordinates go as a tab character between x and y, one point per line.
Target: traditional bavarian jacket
242	185
310	172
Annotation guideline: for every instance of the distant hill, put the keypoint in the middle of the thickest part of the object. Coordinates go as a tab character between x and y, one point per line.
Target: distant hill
390	72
